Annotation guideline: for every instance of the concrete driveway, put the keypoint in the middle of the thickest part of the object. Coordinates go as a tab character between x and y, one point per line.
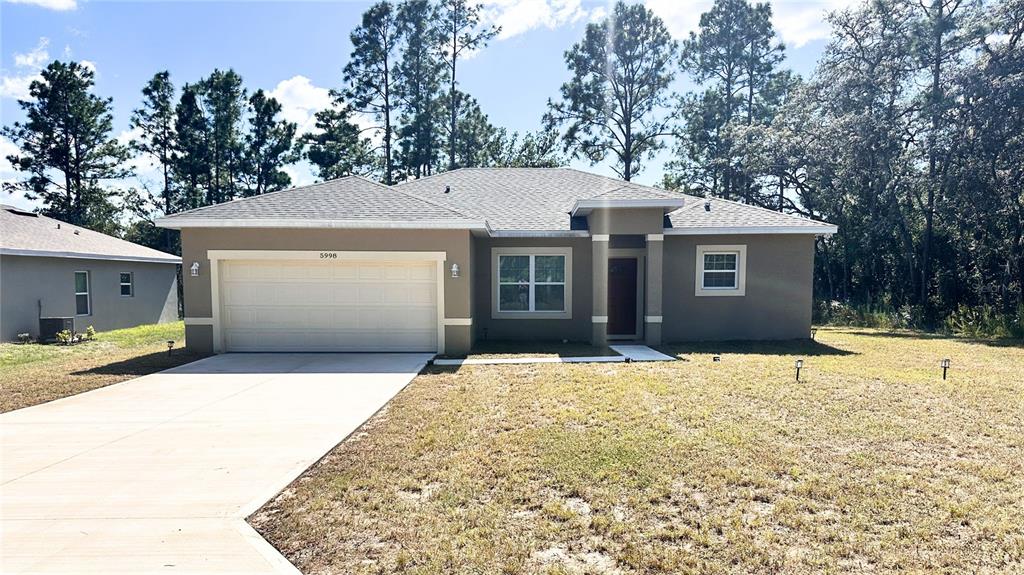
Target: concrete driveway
156	474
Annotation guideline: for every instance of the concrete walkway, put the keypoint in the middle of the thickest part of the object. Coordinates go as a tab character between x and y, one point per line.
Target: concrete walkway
156	474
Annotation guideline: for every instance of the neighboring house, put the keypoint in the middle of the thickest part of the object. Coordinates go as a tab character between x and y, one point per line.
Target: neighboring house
439	263
49	268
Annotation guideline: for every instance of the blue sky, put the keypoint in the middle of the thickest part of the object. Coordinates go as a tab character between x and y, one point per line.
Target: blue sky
296	50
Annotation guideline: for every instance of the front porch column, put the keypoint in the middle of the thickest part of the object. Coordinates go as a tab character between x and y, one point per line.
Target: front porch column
599	307
652	316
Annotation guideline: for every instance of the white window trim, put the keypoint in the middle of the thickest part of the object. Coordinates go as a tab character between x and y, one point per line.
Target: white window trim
566	252
130	284
86	293
741	271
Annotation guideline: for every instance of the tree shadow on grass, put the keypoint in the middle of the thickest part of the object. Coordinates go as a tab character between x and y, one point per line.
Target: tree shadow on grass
803	347
143	364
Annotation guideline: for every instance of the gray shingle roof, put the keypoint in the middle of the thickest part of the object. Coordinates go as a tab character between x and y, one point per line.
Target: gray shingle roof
501	199
25	233
526	198
539	199
352	198
729	214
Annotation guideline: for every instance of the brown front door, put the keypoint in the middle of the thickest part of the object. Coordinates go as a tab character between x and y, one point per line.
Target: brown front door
622	296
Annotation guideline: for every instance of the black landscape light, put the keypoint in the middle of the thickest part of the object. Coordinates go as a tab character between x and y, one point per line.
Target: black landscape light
170	346
799	366
945	366
813	332
716	358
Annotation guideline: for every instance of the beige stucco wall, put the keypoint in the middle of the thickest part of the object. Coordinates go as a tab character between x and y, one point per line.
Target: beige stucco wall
779	290
196	242
626	221
575	329
27	281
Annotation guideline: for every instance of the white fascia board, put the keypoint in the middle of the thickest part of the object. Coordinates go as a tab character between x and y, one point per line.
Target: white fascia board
822	229
584	207
540	234
180	223
89	256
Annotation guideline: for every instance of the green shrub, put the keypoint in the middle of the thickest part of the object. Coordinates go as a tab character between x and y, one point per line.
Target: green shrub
90	333
65	337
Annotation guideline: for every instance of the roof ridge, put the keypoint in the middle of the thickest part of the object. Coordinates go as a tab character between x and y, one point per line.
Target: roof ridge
436	204
429	176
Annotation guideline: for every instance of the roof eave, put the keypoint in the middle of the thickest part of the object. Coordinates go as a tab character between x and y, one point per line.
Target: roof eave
820	229
169	259
584	207
178	223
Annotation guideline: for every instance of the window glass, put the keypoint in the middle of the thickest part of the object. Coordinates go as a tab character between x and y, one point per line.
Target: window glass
82	293
719	279
514	297
720	262
549	297
531	282
126	284
720	270
549	269
514	269
81	282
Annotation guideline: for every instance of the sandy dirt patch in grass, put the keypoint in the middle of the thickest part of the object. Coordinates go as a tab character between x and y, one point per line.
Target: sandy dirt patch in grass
871	464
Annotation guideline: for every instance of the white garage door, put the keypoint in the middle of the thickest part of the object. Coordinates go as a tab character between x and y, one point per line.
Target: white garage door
329	306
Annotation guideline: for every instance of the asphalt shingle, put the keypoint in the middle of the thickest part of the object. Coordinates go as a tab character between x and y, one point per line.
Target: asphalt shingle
352	198
26	233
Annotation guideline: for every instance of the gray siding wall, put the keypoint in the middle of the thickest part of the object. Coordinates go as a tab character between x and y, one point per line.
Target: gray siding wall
578	328
779	290
25	281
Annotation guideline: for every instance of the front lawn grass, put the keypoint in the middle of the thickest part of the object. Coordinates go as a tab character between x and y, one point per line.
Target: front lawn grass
871	464
34	373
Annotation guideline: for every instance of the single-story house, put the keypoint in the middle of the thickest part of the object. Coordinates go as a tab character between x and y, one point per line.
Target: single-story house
441	262
50	268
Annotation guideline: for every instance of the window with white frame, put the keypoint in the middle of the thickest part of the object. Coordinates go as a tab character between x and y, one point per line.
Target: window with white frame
721	270
82	303
532	283
127	284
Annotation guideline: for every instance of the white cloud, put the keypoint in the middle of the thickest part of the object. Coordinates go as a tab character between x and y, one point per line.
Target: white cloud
520	16
301	173
300	100
29	64
797	22
49	4
88	65
35	58
8	174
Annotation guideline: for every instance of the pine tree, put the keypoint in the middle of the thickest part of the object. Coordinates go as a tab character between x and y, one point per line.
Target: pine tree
223	99
67	131
155	122
370	74
337	147
417	87
621	72
191	158
268	147
461	30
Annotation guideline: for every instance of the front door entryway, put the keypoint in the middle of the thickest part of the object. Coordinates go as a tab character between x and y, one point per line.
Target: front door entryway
622	297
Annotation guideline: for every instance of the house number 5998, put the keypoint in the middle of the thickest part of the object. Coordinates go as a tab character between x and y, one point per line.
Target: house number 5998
328	255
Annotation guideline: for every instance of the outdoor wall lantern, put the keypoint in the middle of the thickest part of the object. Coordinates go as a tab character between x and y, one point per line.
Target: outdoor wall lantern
799	366
195	269
455	270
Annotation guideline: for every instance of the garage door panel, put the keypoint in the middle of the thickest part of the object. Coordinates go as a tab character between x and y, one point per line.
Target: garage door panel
329	306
